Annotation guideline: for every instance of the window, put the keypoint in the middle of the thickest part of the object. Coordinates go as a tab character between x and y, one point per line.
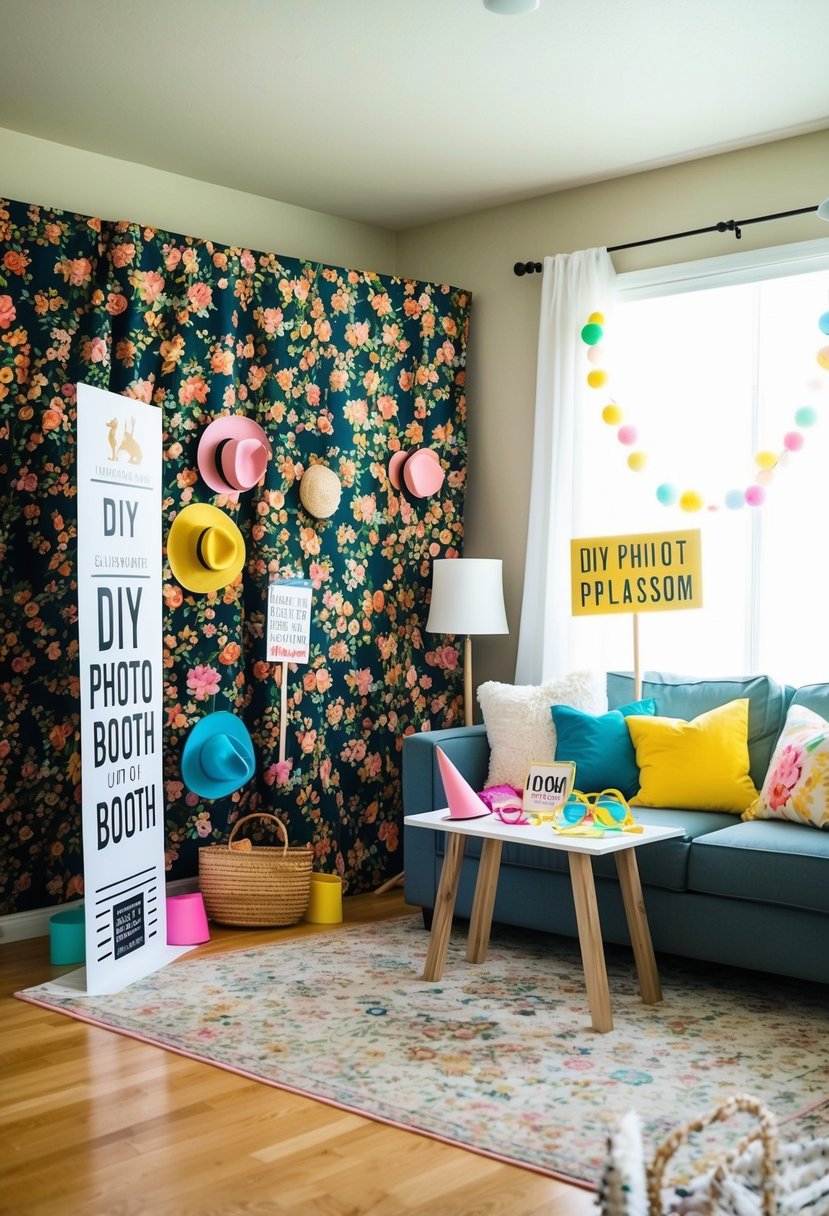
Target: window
713	364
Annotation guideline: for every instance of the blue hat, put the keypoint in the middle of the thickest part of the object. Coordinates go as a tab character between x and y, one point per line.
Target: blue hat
218	756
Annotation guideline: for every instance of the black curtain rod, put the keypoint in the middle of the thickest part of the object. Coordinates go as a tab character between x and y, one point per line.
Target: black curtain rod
735	226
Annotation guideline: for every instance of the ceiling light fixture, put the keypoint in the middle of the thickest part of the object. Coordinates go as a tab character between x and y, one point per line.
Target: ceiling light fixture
511	8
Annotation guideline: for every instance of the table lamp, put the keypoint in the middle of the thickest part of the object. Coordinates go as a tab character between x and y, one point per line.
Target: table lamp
467	598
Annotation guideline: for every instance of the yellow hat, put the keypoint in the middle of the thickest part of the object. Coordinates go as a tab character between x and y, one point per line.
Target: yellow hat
205	548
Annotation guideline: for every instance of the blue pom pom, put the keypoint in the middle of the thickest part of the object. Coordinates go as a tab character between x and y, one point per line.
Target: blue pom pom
806	415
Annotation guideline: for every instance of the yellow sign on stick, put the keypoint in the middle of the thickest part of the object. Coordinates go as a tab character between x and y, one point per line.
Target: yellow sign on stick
650	572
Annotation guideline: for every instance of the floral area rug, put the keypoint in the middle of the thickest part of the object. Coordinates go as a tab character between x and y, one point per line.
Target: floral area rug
497	1057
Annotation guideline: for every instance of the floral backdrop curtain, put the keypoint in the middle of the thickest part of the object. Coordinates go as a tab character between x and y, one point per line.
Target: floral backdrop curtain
338	366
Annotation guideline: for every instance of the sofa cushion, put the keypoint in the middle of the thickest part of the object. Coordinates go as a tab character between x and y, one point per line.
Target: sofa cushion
767	861
600	746
814	697
687	697
797	783
701	764
519	724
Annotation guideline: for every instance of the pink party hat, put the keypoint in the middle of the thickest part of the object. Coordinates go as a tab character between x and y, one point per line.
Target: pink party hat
464	803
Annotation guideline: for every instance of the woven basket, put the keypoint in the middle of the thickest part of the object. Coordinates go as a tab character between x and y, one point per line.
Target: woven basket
255	887
761	1177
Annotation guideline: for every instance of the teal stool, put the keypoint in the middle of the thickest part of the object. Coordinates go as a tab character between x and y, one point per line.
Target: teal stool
66	937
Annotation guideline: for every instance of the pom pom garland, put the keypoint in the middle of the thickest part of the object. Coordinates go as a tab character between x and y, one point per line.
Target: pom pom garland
691	500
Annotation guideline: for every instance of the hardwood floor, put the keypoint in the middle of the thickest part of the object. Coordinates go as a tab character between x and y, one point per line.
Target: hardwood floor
96	1124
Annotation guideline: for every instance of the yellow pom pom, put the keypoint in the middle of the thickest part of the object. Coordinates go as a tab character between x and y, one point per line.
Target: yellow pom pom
612	415
765	460
823	357
596	318
637	461
690	501
596	379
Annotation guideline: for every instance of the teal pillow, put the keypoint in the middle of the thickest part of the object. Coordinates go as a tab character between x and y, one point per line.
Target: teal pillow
600	745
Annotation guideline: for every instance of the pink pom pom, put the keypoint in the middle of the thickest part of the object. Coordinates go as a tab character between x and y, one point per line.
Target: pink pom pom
627	434
793	442
755	496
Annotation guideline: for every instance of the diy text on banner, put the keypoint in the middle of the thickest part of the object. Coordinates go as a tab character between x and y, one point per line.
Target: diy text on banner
119	617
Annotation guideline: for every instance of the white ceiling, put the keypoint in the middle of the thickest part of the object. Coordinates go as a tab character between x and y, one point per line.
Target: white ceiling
397	112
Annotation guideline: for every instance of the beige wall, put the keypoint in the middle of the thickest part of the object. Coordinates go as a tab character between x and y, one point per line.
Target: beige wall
478	252
38	171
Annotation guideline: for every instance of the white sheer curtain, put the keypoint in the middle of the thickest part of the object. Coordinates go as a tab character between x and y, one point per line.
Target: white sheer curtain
550	642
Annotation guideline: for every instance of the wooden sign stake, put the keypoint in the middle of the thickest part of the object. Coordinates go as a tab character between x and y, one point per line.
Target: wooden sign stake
283	714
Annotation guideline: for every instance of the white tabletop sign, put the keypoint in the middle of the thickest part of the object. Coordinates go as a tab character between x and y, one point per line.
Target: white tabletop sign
548	785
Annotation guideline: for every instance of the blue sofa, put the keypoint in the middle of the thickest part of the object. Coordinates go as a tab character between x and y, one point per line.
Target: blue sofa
751	894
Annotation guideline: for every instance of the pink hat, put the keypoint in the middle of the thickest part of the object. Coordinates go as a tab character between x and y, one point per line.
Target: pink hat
233	454
464	803
416	472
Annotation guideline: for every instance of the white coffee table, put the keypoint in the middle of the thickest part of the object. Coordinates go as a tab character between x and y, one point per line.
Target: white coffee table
579	849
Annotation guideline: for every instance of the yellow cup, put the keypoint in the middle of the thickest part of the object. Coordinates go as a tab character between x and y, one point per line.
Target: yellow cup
325	907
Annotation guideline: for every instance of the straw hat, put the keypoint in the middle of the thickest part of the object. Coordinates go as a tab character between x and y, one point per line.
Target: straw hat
233	454
218	756
320	490
205	548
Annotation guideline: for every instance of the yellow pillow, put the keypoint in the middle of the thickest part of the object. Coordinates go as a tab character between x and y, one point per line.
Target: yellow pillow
698	765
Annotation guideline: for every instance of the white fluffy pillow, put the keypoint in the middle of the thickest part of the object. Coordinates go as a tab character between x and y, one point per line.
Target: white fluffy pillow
519	724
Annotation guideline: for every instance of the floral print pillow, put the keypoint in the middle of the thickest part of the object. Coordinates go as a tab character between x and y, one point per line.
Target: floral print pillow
797	783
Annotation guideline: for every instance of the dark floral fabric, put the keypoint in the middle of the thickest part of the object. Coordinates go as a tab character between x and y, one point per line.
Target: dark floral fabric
338	366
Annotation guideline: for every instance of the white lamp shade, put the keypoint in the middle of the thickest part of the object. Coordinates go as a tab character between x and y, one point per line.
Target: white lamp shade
823	209
511	8
467	596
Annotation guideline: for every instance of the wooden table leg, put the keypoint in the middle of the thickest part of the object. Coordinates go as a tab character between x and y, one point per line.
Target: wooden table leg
480	923
444	906
590	941
640	934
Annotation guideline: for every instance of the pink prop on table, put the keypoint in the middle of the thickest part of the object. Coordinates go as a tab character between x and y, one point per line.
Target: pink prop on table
464	803
502	796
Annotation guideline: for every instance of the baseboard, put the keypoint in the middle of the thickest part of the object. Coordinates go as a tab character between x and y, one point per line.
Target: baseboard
19	926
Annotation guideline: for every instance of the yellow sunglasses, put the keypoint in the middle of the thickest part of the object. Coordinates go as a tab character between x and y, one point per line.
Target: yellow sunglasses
608	810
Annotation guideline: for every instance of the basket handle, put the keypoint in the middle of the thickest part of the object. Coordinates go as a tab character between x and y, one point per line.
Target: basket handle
766	1132
260	815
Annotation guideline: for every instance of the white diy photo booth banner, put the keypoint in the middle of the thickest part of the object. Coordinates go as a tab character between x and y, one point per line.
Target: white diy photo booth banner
119	618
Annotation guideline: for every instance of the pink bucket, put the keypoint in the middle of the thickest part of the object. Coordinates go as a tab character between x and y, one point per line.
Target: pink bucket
186	920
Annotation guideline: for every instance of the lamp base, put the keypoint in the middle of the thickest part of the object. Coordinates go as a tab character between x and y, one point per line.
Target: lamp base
468	704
